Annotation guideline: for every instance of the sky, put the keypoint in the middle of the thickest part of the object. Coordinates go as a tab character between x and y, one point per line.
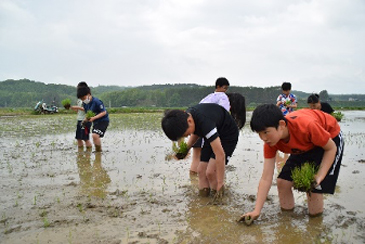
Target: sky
314	44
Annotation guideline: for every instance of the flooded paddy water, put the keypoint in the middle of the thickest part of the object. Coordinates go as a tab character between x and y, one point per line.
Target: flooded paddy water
130	193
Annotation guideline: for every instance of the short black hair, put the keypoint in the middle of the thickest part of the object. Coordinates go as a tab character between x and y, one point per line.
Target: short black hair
83	91
286	86
221	81
314	98
174	123
264	116
82	84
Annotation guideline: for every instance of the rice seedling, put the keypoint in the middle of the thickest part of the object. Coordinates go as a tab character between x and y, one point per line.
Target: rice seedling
66	103
89	114
287	102
338	115
46	222
303	177
79	206
180	149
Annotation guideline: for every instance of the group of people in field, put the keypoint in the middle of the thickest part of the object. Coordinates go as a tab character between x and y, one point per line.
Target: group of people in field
212	128
305	135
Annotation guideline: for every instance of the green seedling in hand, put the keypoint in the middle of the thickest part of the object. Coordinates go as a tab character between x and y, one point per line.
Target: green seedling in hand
303	177
89	114
66	103
180	149
337	115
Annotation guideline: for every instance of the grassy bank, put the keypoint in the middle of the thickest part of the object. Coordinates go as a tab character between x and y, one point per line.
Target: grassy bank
30	111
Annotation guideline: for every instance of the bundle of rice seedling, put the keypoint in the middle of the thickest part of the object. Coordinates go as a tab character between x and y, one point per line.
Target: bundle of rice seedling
180	149
303	177
66	103
337	115
89	114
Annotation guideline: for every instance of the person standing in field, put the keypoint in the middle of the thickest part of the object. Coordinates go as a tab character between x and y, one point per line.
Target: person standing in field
286	101
82	131
100	120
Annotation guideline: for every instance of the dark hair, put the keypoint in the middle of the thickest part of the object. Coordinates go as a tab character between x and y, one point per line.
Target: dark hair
83	91
238	108
314	98
286	86
82	84
174	123
264	116
221	81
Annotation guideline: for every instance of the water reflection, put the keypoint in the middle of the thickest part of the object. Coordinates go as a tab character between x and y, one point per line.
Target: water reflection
94	179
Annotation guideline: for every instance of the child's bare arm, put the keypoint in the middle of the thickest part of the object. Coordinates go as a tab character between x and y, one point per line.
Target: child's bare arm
220	161
327	160
264	187
75	108
192	139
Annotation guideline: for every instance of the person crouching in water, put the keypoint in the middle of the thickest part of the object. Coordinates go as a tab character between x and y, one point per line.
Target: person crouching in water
220	132
309	136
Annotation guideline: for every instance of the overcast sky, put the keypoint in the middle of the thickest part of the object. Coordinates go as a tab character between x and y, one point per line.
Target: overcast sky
316	45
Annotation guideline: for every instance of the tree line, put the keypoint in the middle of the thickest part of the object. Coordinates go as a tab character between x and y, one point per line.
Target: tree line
26	93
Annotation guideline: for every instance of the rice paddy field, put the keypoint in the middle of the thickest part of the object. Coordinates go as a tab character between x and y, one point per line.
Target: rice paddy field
132	192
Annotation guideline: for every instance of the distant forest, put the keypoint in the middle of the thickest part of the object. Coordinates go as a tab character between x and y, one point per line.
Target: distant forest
26	93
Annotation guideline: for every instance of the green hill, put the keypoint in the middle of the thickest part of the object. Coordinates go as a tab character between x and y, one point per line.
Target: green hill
26	93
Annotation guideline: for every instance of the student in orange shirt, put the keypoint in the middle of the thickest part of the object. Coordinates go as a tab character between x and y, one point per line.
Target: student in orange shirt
309	136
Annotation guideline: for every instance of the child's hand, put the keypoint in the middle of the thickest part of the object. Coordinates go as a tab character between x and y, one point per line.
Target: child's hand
315	184
218	197
84	122
246	219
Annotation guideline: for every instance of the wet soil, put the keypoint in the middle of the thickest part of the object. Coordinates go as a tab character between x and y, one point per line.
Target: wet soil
51	192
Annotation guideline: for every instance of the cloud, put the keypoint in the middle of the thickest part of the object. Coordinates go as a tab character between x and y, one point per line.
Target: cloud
310	43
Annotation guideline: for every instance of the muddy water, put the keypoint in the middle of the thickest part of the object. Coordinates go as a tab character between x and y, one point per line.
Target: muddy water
53	193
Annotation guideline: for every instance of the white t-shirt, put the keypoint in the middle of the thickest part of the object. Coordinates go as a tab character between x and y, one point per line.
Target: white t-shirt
219	98
80	113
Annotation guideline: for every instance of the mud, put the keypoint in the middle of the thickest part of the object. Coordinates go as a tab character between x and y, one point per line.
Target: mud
130	193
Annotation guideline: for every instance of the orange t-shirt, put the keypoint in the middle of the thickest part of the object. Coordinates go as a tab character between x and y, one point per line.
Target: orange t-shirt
308	128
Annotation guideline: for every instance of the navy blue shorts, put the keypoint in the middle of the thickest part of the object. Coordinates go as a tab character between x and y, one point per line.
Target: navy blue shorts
82	132
100	128
315	155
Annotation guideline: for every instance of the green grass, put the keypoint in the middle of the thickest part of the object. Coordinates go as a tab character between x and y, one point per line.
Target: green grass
303	177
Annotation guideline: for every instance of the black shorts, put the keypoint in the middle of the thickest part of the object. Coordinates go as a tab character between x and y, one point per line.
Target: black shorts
315	155
207	151
199	143
82	132
100	128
